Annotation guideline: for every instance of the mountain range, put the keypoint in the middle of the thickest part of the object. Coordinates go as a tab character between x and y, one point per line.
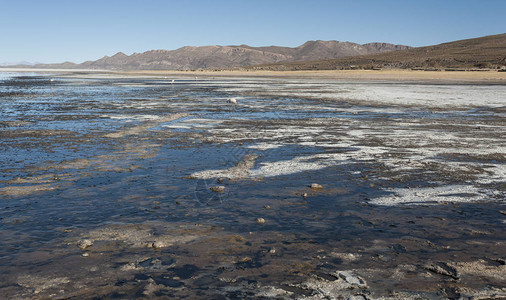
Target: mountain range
225	57
488	52
25	63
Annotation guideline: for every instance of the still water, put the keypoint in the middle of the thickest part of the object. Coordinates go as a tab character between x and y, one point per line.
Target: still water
411	174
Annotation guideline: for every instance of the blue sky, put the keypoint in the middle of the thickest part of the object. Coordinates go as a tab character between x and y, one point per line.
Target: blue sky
57	31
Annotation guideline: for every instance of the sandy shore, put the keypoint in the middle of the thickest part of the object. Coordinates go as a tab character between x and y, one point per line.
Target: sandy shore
397	75
391	75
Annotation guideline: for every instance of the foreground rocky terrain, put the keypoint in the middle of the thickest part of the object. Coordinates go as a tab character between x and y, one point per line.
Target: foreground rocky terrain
117	186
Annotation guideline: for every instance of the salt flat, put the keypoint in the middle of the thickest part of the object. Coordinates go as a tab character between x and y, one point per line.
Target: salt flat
165	183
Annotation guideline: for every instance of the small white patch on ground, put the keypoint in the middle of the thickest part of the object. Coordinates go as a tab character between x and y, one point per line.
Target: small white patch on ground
481	268
272	292
240	171
346	285
137	130
264	146
133	117
25	190
40	283
442	194
298	164
194	123
496	174
137	236
346	257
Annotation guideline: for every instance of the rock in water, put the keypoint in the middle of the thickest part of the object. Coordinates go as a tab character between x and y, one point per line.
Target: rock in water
316	186
442	268
158	245
83	244
260	221
218	189
351	279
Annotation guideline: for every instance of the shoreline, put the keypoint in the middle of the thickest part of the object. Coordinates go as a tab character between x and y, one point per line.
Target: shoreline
398	74
491	77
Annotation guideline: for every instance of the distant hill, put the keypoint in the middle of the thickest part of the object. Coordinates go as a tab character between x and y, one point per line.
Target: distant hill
225	57
487	52
24	63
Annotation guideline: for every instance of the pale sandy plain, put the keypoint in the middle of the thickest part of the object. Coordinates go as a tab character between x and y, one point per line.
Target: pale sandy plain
491	76
393	74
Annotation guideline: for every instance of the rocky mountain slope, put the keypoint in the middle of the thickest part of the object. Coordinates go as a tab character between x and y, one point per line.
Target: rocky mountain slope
223	57
487	52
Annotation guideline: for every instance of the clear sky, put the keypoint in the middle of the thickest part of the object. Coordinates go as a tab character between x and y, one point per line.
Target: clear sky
66	30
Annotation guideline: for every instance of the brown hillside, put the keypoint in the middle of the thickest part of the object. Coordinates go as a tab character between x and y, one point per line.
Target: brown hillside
487	52
226	57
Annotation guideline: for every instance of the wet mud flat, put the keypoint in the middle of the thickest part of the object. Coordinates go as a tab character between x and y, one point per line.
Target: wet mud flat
133	187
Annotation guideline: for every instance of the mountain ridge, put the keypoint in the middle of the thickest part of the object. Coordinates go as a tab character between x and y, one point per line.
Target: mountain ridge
226	57
486	52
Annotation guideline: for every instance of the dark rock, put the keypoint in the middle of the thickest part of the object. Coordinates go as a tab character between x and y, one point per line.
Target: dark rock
184	272
442	268
399	248
168	282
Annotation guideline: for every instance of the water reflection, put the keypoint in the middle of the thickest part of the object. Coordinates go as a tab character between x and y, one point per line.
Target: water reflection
114	160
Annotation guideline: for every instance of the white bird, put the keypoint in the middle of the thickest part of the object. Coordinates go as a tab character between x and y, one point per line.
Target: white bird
51	80
172	82
232	101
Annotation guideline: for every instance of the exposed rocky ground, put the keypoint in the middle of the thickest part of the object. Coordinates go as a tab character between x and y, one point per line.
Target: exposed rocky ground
123	187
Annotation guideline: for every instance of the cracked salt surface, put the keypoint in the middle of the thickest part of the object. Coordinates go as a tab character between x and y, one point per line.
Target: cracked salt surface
441	194
295	165
194	123
410	143
264	146
133	117
298	164
393	94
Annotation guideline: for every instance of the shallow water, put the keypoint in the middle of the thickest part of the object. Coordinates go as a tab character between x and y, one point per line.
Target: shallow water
412	175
